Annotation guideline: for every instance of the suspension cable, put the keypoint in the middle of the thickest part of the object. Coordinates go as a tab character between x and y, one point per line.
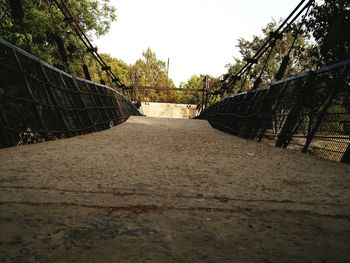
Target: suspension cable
258	80
286	58
286	24
58	40
90	48
18	15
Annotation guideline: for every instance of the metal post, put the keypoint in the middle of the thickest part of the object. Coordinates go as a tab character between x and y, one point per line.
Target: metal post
287	130
204	92
338	84
167	69
346	155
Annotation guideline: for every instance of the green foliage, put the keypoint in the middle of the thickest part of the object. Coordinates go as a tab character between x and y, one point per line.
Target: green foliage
194	83
247	48
45	33
329	44
329	23
151	72
197	82
119	67
45	29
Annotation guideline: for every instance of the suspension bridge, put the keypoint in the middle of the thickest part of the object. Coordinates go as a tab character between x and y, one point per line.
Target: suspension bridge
95	181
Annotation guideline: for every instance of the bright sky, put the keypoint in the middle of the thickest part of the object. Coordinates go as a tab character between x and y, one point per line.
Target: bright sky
199	36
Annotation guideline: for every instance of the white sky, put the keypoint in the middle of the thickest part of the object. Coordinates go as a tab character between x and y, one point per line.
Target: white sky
199	36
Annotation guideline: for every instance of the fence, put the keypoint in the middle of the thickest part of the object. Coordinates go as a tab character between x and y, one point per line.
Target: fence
39	98
309	111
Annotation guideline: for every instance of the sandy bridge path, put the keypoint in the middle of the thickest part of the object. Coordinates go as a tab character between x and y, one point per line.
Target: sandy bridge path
166	190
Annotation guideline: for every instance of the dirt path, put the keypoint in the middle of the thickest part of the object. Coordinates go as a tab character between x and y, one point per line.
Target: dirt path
166	190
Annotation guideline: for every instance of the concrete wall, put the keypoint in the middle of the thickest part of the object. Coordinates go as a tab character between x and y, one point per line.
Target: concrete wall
169	110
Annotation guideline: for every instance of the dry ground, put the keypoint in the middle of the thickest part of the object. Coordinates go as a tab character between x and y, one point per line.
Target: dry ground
161	190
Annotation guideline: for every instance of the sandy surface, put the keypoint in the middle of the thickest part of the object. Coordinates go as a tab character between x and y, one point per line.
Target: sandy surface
166	190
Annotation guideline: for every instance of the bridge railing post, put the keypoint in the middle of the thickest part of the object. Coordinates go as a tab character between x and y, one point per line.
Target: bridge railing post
335	87
286	133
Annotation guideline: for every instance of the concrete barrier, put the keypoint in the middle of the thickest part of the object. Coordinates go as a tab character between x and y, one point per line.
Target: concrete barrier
169	110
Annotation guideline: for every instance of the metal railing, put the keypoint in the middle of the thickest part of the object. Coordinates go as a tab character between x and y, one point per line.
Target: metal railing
309	111
36	97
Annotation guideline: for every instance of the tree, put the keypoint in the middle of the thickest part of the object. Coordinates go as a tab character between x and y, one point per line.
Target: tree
329	23
267	67
151	72
194	83
45	29
119	67
197	83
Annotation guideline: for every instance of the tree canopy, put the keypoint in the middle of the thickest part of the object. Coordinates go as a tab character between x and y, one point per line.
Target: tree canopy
149	71
329	24
197	83
268	65
321	40
46	31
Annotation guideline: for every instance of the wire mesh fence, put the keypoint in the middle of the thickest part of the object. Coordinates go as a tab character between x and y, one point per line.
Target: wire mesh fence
309	112
39	99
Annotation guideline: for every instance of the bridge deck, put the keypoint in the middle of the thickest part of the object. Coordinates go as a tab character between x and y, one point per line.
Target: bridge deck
160	190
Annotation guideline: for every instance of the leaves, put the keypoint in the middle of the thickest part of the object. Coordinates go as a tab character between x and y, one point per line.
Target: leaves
151	72
267	67
329	23
44	24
